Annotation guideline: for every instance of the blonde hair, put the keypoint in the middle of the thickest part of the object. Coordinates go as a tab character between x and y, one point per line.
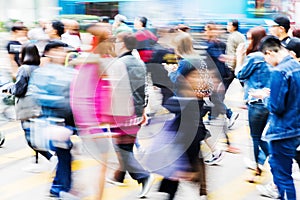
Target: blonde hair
183	44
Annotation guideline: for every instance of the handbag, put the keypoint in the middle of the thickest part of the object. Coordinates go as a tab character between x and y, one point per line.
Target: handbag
26	107
48	133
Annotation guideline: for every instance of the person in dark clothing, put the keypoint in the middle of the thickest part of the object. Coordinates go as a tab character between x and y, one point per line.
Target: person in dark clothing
145	39
14	47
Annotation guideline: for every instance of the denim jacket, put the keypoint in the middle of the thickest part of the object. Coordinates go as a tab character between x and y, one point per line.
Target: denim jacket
255	73
284	101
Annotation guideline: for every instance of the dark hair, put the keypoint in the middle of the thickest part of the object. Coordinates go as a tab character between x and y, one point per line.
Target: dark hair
294	45
59	27
30	55
129	40
271	43
143	20
235	24
18	28
283	21
257	33
54	44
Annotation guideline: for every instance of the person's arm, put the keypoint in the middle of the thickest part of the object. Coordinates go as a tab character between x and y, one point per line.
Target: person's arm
183	68
246	70
14	66
279	90
20	87
240	56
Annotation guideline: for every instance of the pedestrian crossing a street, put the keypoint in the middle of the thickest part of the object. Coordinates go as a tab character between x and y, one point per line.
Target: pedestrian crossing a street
225	180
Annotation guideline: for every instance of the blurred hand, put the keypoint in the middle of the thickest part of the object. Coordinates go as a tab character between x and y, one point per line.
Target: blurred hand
170	67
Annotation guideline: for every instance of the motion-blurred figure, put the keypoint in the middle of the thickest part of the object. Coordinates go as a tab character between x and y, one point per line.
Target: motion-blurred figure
120	25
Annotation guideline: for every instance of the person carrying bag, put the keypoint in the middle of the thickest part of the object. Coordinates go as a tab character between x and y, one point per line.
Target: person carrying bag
25	106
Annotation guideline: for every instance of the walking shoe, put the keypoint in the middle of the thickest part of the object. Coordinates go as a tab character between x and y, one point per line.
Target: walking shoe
203	197
146	184
216	157
268	190
54	192
67	196
114	182
231	149
232	119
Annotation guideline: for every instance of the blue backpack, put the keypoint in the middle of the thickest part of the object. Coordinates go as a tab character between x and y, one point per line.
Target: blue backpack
50	85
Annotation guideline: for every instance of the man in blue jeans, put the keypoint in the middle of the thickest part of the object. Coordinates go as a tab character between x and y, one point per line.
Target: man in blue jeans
55	102
283	133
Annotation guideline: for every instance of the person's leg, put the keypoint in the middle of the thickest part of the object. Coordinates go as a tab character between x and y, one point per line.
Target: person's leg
197	164
262	156
130	164
282	153
219	107
169	186
62	180
119	174
258	116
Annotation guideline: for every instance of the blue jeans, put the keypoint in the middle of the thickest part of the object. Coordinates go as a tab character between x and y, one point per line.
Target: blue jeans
258	116
62	180
261	157
282	153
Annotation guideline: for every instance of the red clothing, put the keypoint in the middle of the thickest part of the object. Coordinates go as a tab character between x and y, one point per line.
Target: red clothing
146	39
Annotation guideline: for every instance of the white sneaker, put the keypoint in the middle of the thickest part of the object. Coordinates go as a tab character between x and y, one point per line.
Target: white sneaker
67	196
203	197
147	184
216	157
268	190
232	119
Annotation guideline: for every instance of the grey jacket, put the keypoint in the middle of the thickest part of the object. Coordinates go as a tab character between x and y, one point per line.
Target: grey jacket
137	76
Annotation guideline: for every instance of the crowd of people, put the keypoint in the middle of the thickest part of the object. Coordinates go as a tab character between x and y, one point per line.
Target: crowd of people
106	93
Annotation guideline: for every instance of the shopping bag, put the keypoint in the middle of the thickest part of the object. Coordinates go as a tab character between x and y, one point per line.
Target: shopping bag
46	135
